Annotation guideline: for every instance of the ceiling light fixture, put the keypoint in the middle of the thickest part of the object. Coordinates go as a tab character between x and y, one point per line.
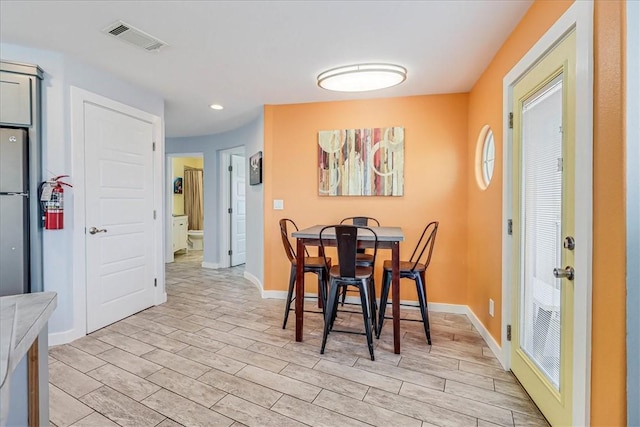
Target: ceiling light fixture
216	107
362	77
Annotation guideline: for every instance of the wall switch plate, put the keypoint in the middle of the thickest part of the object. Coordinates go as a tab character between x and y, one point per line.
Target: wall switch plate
491	307
278	204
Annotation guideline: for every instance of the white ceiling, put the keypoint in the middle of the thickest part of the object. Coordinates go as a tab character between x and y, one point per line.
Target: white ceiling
244	54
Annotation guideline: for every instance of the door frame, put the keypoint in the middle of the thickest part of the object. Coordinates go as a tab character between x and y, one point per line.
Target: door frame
580	17
633	213
168	226
224	225
78	98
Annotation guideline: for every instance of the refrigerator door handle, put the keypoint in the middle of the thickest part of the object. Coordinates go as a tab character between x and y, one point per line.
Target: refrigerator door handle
11	193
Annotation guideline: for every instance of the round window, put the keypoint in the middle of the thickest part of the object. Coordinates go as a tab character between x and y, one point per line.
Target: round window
485	157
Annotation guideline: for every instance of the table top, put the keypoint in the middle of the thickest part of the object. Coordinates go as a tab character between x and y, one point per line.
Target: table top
28	314
385	234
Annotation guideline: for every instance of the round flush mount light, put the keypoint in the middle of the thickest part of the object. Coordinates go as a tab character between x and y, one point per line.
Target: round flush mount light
216	107
362	77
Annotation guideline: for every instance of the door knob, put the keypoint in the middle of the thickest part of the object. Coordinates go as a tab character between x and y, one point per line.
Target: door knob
94	230
564	273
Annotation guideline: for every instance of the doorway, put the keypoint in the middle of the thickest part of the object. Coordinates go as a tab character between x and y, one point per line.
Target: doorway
186	174
547	199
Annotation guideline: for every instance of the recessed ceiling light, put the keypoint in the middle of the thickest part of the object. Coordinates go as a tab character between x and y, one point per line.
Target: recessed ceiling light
216	106
362	77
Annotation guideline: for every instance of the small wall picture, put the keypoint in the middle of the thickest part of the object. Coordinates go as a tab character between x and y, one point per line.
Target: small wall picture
255	169
177	185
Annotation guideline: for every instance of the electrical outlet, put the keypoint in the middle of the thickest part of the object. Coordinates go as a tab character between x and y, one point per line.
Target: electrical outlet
491	307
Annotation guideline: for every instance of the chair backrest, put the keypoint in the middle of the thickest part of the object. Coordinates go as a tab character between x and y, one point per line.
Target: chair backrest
360	220
425	244
288	247
346	237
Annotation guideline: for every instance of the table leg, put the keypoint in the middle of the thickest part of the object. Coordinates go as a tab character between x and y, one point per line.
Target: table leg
395	294
299	288
33	386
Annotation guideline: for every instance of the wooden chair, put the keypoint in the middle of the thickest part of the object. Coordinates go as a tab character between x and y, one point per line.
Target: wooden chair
316	265
414	270
349	273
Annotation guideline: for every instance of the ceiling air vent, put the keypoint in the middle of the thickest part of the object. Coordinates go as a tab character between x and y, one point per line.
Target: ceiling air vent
134	36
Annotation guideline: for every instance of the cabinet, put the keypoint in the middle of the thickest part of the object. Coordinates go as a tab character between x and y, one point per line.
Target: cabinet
15	99
180	226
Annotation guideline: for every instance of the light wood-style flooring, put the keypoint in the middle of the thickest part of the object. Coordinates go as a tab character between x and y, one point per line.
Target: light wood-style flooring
216	355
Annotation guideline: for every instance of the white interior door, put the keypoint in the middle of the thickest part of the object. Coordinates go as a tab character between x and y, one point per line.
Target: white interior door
119	215
238	211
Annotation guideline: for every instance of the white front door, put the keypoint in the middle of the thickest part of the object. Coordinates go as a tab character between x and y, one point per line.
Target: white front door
119	215
238	211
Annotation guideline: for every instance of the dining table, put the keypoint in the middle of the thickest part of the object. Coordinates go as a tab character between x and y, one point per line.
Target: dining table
388	238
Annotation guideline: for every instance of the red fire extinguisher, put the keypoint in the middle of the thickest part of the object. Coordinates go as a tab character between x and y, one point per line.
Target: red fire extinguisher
52	200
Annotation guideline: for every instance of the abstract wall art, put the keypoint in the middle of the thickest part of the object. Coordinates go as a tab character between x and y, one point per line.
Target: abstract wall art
361	162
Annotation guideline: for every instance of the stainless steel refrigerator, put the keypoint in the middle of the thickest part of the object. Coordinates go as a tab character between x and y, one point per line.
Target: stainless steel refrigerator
14	212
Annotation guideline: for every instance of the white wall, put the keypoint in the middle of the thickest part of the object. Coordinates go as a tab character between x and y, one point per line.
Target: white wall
251	136
60	73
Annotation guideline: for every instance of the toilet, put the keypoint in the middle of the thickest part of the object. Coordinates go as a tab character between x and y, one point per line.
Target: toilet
194	238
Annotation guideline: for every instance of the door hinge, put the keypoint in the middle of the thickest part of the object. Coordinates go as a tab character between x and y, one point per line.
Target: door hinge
155	283
508	332
230	251
153	146
230	210
509	226
510	120
230	168
154	214
560	164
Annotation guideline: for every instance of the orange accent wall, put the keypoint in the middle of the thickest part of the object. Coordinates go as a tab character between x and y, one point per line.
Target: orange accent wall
435	181
608	364
485	107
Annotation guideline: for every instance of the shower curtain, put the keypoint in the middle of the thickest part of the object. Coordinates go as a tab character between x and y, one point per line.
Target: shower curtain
193	201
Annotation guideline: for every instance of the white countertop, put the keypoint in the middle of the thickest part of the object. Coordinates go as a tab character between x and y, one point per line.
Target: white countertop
30	313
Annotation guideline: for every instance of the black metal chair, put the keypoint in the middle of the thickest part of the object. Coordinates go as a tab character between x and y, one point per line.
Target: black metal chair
349	273
317	265
363	259
414	270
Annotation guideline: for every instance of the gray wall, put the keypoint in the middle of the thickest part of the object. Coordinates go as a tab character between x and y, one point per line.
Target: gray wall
251	137
60	73
633	214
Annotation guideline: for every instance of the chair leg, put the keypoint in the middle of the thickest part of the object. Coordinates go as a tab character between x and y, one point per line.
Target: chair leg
334	309
331	304
322	287
365	300
344	295
374	305
422	299
384	296
287	307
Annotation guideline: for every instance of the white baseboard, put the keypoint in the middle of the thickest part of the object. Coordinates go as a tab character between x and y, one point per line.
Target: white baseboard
253	279
488	338
211	265
283	294
64	337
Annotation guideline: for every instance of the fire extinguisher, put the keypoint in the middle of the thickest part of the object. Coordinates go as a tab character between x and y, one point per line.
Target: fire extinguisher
52	202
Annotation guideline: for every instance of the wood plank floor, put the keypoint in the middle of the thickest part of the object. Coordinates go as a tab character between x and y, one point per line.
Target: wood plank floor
215	355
